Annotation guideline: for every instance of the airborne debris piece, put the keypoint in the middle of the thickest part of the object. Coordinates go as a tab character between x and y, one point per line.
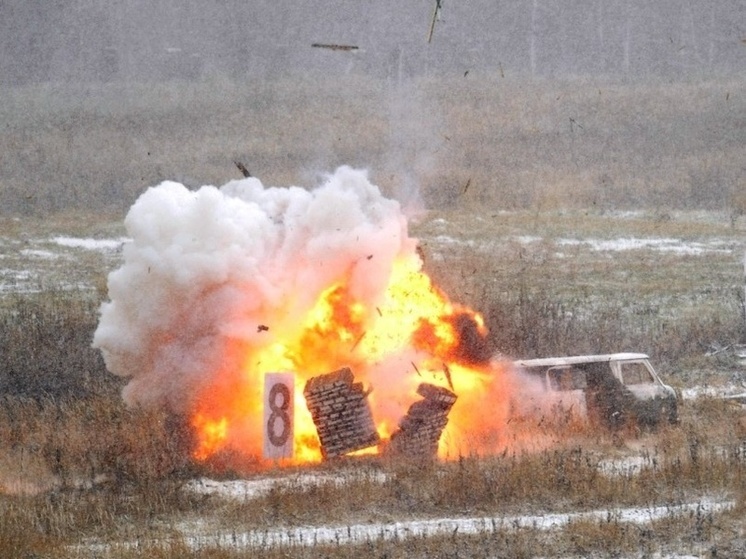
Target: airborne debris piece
436	17
242	168
340	410
447	372
358	340
333	46
416	370
420	430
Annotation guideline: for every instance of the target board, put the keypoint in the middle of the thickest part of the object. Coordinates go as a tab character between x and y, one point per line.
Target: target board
279	392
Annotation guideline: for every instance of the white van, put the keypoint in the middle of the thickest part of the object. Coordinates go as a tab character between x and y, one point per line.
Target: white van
611	389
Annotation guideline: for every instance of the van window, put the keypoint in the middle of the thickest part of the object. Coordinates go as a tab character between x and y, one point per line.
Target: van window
566	378
636	373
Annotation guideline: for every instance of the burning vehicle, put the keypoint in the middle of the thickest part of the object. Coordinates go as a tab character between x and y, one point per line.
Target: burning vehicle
611	390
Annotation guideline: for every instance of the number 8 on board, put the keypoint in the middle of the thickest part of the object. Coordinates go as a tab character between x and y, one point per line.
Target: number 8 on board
278	415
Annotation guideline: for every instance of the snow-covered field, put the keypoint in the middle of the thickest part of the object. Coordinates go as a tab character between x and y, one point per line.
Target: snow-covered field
25	263
358	533
31	265
201	534
656	244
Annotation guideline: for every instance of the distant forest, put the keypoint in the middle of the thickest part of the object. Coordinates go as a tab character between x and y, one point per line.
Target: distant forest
138	40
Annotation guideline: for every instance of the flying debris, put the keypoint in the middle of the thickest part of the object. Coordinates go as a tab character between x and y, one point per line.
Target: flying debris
447	372
332	46
242	168
436	17
416	370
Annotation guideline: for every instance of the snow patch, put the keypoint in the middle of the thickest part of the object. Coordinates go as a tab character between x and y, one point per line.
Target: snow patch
255	488
628	466
360	533
727	391
43	254
91	244
661	244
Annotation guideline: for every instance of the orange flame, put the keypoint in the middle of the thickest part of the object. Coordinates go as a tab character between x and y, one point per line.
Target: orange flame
410	335
212	435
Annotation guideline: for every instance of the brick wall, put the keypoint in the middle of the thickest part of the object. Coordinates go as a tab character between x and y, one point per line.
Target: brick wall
420	430
341	412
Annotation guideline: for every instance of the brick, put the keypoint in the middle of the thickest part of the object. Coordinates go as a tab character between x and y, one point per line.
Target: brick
341	413
420	429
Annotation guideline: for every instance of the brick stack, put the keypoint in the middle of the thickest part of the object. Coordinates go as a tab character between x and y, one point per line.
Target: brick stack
340	410
420	430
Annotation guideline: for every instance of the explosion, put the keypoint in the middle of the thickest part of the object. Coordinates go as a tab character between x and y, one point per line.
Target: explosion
220	286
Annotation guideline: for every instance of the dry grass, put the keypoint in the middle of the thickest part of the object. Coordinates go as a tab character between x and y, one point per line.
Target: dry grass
115	476
518	144
45	340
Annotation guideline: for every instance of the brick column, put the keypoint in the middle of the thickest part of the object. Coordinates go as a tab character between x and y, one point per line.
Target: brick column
420	430
341	412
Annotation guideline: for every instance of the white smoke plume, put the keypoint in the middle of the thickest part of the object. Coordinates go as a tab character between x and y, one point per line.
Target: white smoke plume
215	266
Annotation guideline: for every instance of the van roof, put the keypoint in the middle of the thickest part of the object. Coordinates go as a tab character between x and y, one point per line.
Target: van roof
577	359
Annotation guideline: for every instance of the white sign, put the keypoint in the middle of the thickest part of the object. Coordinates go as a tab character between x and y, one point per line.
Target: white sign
279	391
